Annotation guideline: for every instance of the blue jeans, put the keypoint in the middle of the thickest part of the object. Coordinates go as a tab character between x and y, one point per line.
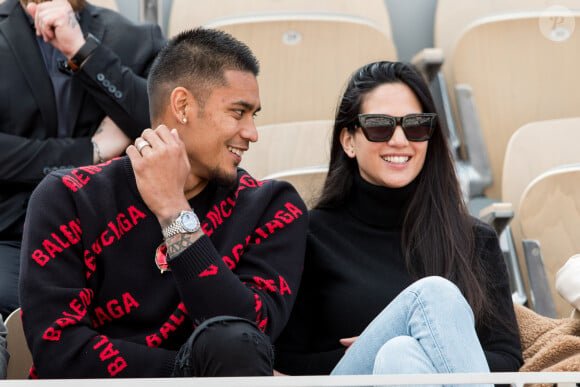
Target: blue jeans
428	328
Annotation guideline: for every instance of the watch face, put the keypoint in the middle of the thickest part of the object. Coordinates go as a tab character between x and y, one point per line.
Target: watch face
189	221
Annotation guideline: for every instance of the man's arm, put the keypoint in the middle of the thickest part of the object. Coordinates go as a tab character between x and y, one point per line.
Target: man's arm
27	161
260	277
114	72
57	301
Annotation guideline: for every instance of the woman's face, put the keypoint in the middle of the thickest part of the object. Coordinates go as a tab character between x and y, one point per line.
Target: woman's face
396	162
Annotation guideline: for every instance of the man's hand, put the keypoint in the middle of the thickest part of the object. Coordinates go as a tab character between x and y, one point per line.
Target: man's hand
56	22
161	170
110	139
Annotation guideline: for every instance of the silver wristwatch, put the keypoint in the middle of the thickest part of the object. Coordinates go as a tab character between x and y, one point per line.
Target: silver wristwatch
186	222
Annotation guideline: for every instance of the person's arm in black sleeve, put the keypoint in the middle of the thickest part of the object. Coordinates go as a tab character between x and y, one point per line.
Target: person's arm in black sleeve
120	89
56	298
294	352
27	161
267	265
263	282
500	339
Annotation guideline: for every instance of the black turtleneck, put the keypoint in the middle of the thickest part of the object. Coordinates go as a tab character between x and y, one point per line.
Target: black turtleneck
354	268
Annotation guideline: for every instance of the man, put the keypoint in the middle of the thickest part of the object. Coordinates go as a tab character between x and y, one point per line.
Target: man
117	268
72	93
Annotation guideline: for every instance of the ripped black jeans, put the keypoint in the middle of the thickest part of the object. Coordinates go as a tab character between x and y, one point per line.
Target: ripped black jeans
225	346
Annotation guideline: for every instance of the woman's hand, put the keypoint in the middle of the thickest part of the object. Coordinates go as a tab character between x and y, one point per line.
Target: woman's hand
348	341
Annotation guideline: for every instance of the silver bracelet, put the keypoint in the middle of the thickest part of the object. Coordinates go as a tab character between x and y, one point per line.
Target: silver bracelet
98	150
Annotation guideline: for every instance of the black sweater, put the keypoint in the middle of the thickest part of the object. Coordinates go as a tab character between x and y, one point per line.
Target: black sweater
94	303
354	268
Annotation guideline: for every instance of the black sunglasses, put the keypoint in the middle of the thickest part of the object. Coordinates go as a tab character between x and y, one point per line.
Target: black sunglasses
381	127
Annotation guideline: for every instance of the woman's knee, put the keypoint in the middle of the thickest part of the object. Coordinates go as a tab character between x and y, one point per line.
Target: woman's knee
402	354
437	289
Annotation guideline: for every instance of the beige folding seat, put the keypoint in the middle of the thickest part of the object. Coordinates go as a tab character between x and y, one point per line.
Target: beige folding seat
534	148
288	146
453	18
550	214
111	4
185	14
308	181
513	71
20	356
306	59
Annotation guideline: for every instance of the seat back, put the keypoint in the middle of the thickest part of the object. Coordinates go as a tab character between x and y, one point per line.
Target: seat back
287	146
308	181
110	4
518	74
185	14
306	59
550	213
533	149
20	356
453	17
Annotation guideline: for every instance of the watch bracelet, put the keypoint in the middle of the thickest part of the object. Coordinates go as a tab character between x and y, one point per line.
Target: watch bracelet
91	44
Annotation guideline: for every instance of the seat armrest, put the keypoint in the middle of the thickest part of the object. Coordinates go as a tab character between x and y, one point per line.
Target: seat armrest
473	139
498	215
428	61
541	295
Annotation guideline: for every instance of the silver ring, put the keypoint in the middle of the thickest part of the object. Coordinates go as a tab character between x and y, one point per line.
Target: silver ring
142	145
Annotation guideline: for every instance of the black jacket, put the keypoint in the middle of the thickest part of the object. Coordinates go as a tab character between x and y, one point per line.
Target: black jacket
111	83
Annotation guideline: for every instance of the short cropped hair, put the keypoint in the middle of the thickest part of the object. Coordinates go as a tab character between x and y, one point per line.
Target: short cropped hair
196	59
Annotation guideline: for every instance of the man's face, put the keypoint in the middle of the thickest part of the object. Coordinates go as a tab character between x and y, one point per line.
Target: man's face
218	135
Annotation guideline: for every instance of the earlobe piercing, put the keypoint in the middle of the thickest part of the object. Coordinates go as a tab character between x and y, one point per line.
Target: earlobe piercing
184	120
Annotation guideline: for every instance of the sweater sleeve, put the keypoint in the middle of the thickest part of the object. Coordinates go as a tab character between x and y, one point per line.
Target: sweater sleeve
259	278
55	299
500	339
295	354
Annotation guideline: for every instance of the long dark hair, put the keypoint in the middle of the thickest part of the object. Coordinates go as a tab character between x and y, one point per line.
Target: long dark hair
437	234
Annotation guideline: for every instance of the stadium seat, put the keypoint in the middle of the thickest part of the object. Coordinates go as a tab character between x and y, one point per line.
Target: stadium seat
185	14
453	17
306	59
516	73
550	214
20	356
111	4
308	181
287	146
534	148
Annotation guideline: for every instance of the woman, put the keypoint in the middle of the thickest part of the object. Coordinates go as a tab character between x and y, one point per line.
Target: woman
391	240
